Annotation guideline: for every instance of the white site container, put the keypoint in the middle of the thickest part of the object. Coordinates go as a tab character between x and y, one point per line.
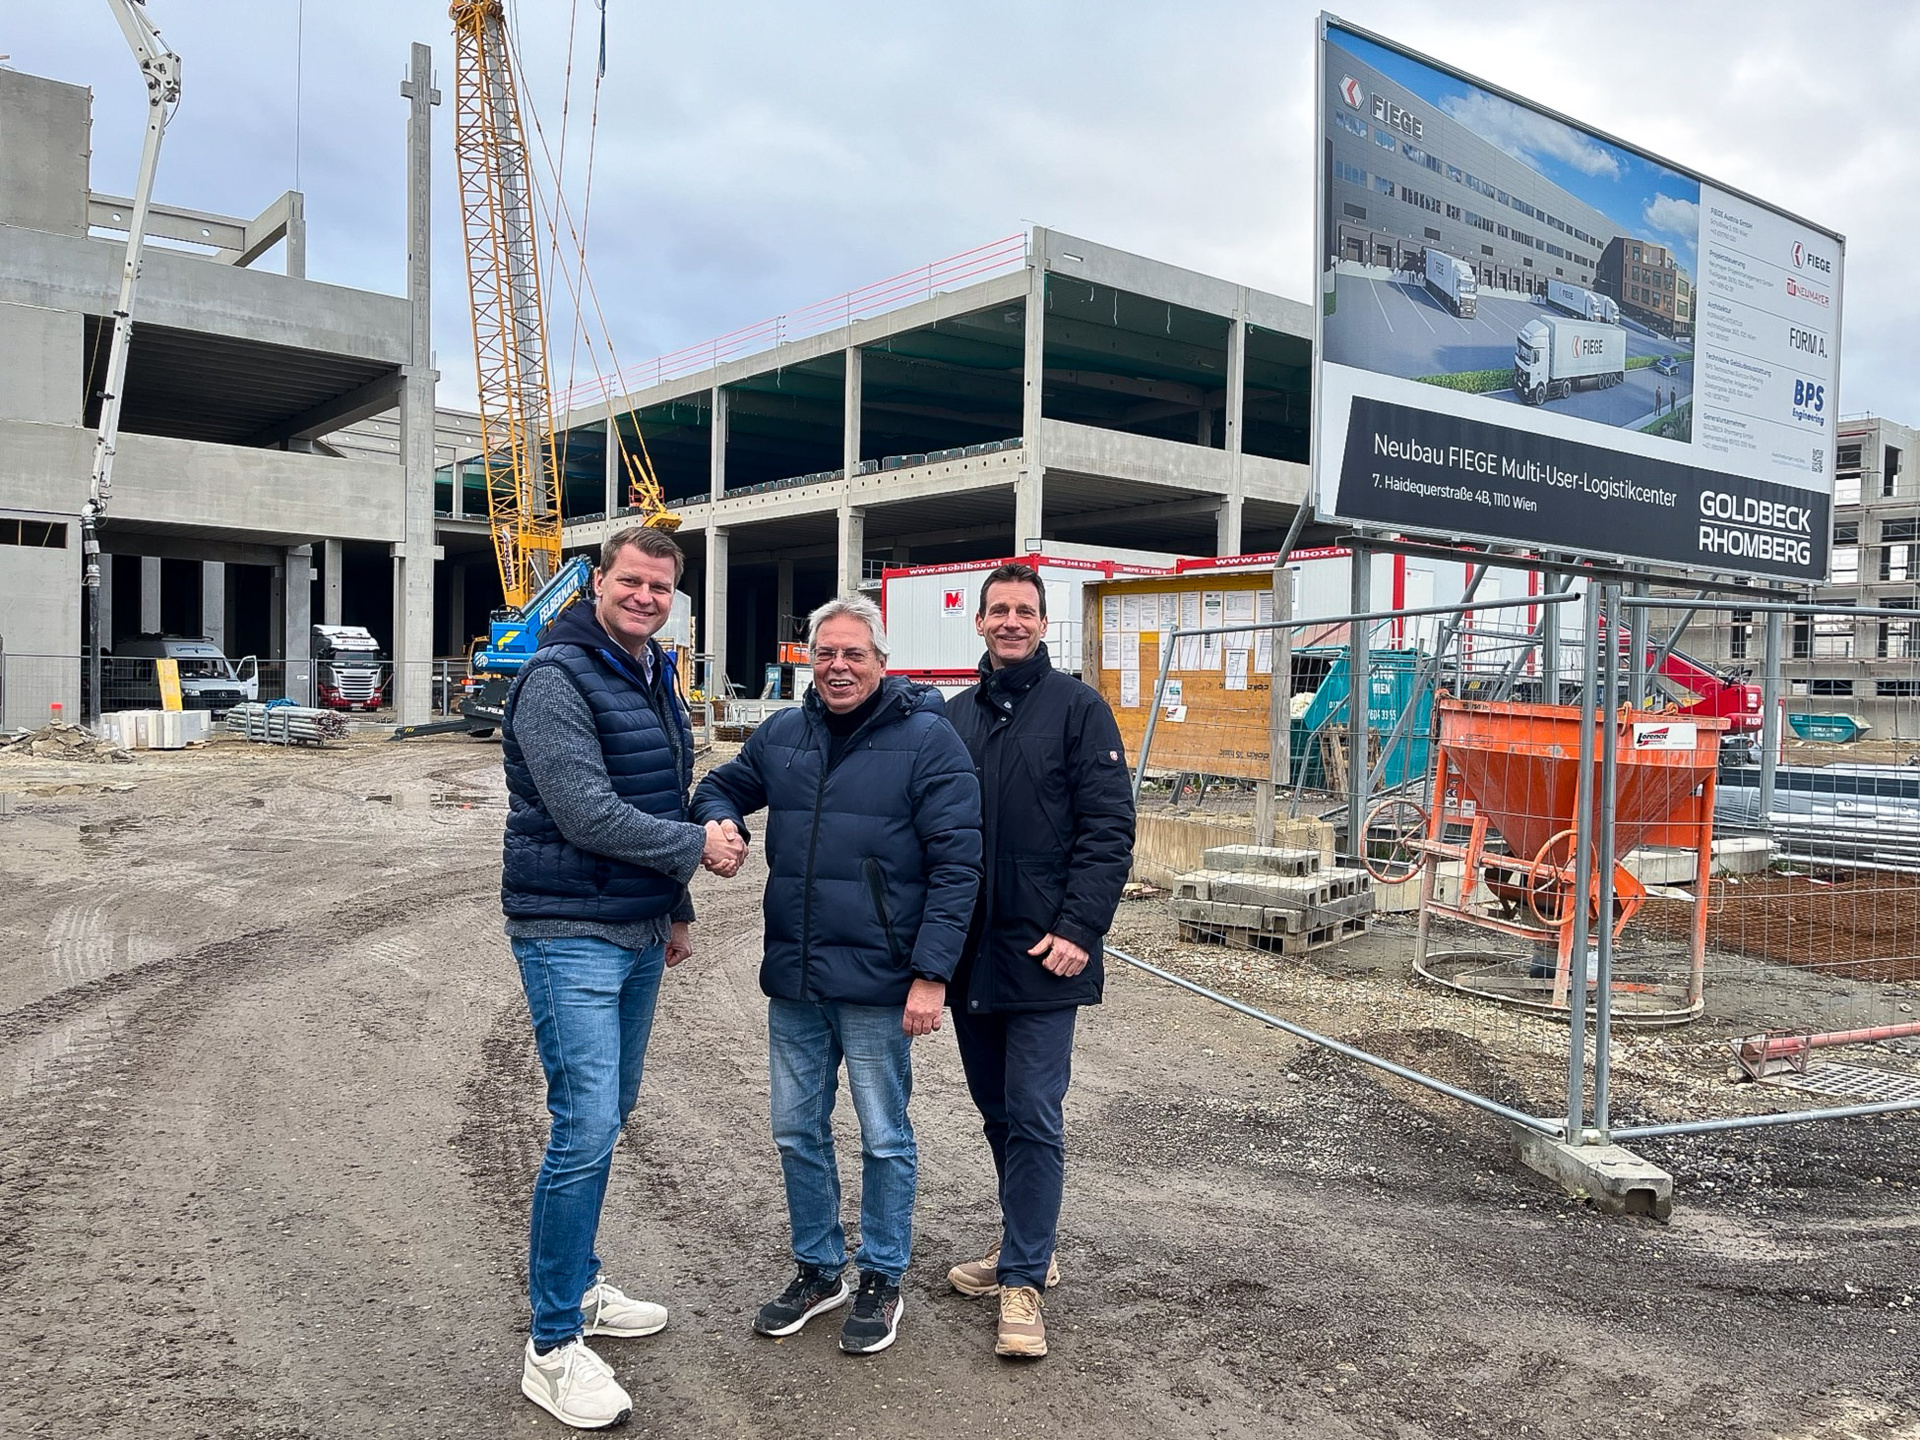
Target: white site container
929	609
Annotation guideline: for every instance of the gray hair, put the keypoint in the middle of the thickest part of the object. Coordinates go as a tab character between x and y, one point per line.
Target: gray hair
854	607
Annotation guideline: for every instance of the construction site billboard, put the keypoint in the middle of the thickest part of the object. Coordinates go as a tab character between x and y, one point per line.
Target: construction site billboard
1529	332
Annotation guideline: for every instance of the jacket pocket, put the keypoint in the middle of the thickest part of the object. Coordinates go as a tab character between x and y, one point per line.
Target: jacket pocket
877	887
1027	894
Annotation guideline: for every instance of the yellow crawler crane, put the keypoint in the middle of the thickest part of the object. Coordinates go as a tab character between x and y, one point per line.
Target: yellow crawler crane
509	321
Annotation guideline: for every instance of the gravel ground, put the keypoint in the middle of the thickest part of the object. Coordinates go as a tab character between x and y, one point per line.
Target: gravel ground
274	1113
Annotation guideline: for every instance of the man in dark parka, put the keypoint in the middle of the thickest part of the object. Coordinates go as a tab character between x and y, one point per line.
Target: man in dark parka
1058	827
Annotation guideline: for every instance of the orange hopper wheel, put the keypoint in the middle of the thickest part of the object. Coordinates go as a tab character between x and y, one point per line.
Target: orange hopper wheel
1404	823
1550	879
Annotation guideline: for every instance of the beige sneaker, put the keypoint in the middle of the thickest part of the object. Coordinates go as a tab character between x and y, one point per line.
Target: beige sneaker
982	1276
1023	1334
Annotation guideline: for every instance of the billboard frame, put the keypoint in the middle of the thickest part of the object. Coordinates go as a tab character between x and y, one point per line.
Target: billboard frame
1323	221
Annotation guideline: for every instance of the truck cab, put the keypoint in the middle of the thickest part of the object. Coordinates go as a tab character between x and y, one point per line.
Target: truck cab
350	671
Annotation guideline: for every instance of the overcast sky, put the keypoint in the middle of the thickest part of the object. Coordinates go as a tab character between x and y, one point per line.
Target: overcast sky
756	157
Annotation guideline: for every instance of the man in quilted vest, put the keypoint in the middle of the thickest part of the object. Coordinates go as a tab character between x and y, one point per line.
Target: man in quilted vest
873	858
599	850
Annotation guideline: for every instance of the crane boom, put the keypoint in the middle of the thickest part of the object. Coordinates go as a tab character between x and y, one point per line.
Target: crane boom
161	67
509	324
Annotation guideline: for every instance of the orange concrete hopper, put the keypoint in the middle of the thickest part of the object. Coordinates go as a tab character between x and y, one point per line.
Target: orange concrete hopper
1511	771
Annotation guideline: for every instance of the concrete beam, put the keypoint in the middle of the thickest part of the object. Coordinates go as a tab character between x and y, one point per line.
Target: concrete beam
1102	265
116	539
218	491
186	292
379	394
235	241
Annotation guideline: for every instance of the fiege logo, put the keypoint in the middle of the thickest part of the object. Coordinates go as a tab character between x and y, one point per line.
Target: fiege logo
1351	92
1805	259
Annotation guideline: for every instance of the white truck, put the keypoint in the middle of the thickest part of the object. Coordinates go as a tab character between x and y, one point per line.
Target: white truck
1581	303
349	670
1452	281
1553	356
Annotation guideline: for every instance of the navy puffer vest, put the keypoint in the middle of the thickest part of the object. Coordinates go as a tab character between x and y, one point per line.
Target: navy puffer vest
649	760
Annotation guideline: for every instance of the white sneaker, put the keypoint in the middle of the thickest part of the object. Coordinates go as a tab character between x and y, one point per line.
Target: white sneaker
575	1386
608	1311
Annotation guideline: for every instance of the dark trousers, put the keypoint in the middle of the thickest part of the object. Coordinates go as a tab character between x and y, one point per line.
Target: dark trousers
1018	1066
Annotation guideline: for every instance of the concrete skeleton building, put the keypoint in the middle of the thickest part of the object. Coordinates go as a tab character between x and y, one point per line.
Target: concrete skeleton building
1085	395
227	517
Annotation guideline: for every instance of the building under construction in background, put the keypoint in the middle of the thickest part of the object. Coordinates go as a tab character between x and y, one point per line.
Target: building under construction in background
281	461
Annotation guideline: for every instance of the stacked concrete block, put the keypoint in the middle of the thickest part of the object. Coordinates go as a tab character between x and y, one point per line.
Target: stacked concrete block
1272	899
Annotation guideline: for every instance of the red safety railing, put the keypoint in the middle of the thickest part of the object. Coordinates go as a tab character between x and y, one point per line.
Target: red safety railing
920	283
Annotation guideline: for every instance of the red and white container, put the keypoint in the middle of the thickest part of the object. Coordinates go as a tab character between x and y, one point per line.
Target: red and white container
929	610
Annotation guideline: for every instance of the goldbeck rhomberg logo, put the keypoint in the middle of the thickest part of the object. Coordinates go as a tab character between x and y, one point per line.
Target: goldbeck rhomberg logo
1351	92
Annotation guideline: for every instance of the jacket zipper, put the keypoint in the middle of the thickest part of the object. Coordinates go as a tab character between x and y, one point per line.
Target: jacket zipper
813	843
878	886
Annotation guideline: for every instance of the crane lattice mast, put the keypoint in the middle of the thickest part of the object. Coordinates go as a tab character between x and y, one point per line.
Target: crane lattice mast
509	323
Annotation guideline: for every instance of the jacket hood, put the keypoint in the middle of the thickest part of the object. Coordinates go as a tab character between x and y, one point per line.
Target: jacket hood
580	625
899	698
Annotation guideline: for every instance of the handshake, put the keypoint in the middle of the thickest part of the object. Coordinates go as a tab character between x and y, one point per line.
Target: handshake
726	849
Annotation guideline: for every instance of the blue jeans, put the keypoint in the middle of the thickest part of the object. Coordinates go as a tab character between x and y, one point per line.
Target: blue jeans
1018	1065
592	1009
805	1044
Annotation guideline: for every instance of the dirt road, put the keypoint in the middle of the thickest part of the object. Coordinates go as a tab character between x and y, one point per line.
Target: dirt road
274	1114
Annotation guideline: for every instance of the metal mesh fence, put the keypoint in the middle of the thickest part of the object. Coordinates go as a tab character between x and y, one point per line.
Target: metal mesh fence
1552	864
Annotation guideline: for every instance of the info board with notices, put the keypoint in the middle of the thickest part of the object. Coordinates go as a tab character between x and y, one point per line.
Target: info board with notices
1216	708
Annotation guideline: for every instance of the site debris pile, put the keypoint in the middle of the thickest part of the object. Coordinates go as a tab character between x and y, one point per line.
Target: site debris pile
65	742
287	724
1265	898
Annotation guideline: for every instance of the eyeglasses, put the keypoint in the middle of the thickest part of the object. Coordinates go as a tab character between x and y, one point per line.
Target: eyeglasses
826	655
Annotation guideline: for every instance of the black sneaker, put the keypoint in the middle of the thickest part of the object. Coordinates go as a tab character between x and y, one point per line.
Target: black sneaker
875	1318
811	1292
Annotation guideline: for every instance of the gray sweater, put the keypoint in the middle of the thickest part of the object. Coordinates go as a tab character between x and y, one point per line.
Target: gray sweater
562	748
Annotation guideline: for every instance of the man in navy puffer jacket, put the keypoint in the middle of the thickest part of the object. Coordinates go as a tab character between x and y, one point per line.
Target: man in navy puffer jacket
598	852
873	854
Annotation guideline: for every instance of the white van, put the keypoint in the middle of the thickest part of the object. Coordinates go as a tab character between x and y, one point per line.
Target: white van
208	679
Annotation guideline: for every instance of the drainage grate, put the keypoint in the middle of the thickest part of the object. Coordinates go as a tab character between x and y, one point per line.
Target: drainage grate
1859	1083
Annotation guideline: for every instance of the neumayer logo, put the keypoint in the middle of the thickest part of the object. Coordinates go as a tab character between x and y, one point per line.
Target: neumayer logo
1803	291
1351	92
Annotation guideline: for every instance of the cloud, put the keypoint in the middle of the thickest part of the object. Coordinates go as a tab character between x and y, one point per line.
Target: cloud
1673	216
1529	137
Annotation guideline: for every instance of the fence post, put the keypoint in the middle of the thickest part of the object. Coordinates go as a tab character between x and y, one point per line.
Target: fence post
1609	737
1770	715
1359	694
1582	873
1279	705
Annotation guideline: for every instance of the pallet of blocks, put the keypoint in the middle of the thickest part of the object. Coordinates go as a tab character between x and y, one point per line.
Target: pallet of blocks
1265	898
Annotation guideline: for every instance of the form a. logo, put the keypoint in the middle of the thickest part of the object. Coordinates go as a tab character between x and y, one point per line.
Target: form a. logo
1351	92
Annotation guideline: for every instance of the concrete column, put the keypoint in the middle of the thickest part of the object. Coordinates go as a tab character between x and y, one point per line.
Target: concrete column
459	472
213	602
1029	489
1227	526
332	580
783	600
296	619
613	469
296	241
277	614
852	546
149	595
850	404
416	552
456	609
715	619
717	456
